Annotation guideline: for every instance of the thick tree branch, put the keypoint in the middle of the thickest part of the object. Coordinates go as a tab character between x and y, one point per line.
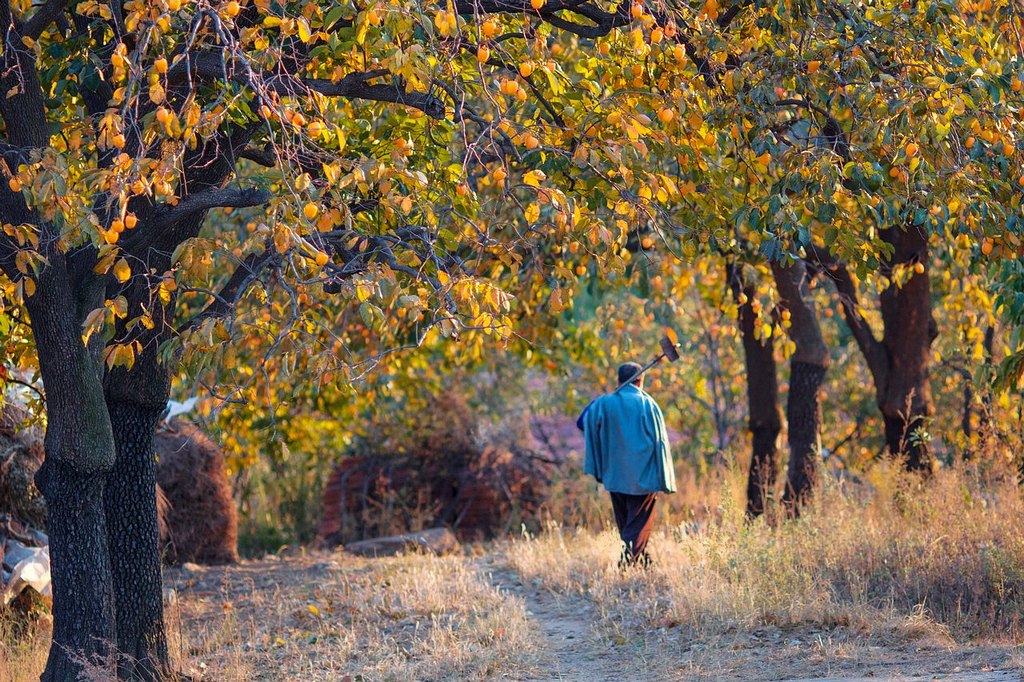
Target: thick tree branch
43	17
357	85
726	17
792	283
206	199
247	272
264	157
603	22
872	349
831	133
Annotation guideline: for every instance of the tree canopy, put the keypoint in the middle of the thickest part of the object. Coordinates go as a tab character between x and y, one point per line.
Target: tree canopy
195	185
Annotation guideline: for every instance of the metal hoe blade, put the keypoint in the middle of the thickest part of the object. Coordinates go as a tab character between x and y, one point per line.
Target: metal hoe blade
669	349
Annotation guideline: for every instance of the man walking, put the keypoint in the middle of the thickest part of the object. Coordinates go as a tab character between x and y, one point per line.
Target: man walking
627	450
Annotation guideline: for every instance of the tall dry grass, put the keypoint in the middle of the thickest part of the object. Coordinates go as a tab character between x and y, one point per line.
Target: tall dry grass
322	618
403	618
23	650
885	553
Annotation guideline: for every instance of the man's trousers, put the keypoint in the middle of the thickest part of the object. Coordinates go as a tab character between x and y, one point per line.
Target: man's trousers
634	515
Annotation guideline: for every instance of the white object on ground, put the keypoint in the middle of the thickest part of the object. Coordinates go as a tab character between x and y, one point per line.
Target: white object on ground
32	569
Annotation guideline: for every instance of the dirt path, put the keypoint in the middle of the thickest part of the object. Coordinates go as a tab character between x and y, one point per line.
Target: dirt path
574	649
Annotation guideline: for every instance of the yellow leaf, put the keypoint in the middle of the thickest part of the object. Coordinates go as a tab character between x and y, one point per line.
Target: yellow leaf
92	324
119	305
532	213
282	239
534	178
304	33
122	271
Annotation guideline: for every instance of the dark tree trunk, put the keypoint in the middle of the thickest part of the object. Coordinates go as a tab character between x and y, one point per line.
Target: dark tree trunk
765	413
899	362
803	415
909	329
79	454
134	544
986	423
807	371
83	601
136	398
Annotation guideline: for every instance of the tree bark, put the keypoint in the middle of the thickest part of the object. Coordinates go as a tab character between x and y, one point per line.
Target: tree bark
765	413
136	398
132	533
909	329
986	423
79	448
83	600
807	371
899	363
803	415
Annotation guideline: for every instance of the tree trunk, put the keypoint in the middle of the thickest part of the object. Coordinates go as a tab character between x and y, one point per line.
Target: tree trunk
909	329
134	544
765	413
135	398
79	453
803	415
807	371
83	601
986	422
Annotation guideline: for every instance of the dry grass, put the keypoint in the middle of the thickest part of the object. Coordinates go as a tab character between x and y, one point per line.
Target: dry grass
22	654
325	617
887	555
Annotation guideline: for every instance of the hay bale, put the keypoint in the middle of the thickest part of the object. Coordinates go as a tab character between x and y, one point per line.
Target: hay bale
21	455
444	476
200	514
